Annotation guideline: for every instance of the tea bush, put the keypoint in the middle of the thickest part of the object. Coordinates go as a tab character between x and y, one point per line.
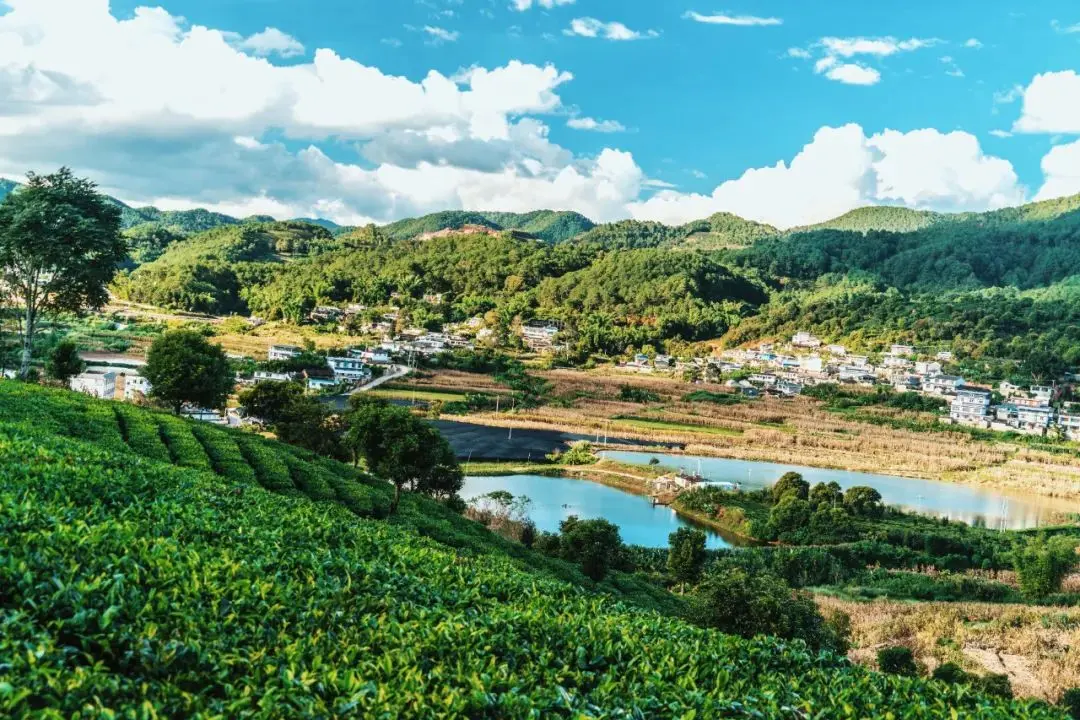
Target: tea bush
139	589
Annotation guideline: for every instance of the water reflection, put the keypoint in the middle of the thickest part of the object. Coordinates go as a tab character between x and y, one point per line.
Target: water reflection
555	499
973	505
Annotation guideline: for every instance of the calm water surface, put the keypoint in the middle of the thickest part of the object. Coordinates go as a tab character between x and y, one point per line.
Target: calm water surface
554	499
973	505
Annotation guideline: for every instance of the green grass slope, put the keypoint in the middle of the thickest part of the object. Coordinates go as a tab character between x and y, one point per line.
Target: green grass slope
138	588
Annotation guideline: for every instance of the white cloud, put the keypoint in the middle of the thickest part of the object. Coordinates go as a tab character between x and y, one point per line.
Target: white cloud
834	51
593	28
441	34
1061	172
594	125
973	43
157	110
523	5
272	41
1001	133
1064	28
842	169
880	47
1051	104
853	74
737	20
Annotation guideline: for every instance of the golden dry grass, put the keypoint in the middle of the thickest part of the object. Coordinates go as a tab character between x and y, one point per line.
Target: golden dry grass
1035	646
794	431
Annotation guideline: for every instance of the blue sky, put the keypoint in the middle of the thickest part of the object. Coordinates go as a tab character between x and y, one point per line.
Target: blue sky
692	95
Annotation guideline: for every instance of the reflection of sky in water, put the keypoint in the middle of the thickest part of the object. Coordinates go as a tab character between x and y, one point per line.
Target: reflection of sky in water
972	505
555	499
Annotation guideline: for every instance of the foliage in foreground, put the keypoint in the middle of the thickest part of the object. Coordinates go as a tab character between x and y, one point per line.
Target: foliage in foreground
183	592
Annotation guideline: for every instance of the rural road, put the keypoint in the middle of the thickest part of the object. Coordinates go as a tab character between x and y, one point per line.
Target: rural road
394	372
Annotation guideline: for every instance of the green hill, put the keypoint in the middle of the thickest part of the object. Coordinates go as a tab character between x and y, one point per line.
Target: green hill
548	225
722	231
889	219
206	272
153	567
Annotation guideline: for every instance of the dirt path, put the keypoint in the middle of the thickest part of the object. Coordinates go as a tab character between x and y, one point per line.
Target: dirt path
1024	682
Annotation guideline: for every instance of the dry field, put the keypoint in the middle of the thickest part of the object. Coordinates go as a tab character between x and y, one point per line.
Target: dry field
1035	646
795	431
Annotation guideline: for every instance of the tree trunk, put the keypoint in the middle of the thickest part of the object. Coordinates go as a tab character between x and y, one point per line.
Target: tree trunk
396	500
28	341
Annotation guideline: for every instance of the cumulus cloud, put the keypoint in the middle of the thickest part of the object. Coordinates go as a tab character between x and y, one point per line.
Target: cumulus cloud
272	41
592	28
1051	104
737	20
160	111
1065	28
594	125
973	43
853	74
1061	172
881	47
523	5
842	169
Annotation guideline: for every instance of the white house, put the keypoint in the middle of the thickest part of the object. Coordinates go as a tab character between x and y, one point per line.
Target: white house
1044	393
763	379
860	361
924	367
539	334
944	356
1007	389
839	350
99	385
348	368
267	376
902	350
805	339
135	385
283	352
811	363
971	406
943	384
1070	424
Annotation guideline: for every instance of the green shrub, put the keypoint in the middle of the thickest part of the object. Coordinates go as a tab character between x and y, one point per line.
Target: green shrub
897	660
1070	701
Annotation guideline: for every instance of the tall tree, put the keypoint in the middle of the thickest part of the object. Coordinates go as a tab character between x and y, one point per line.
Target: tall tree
60	245
64	362
183	367
686	555
402	448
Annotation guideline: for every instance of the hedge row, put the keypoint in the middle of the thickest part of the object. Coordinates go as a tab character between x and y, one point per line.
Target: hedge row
142	433
185	450
270	469
225	457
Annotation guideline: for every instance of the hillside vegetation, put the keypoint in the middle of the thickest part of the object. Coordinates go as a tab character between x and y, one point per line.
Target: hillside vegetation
548	225
183	587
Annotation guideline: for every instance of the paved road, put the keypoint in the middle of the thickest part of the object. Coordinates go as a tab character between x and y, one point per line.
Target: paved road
393	372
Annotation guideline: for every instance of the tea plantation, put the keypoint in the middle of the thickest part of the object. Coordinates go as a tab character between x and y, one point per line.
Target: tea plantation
151	567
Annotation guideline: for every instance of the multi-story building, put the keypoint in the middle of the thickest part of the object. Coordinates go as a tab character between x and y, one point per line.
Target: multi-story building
902	350
943	384
135	386
348	369
539	334
283	352
805	339
971	406
267	376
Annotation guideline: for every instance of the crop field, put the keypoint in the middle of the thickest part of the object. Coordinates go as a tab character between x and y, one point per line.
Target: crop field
796	431
149	589
401	392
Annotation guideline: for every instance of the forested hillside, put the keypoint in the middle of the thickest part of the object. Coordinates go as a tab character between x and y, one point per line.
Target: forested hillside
547	225
181	570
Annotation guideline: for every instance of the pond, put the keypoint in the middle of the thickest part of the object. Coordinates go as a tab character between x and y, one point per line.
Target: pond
973	505
554	499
